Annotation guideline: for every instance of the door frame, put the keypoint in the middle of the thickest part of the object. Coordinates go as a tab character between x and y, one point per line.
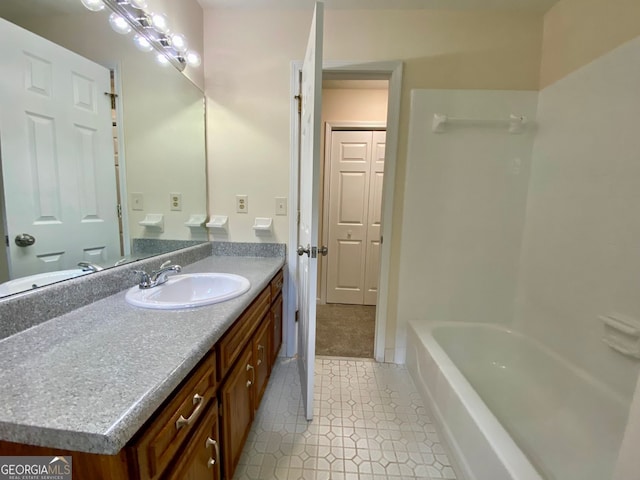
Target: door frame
387	70
330	127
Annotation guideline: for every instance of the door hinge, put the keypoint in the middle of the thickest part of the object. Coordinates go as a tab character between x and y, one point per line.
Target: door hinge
381	239
297	315
299	99
119	210
113	99
6	240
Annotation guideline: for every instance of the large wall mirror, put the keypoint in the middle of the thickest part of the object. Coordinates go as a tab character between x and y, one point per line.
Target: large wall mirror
77	188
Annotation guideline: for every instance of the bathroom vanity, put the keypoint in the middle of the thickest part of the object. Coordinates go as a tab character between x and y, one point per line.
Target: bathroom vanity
134	393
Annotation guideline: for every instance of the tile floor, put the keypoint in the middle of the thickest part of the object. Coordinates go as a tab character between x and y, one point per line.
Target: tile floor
369	424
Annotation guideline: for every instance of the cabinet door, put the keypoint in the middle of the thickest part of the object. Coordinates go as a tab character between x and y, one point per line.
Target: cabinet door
200	459
236	398
262	358
276	319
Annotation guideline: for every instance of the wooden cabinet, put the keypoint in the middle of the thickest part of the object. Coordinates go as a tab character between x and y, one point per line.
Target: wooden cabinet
200	460
262	359
236	399
276	327
157	443
199	431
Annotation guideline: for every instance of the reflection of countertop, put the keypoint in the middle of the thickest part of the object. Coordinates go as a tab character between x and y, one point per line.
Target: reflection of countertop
89	379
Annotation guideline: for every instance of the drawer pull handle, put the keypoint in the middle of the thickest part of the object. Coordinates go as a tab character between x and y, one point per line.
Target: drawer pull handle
260	354
210	442
253	375
181	422
279	285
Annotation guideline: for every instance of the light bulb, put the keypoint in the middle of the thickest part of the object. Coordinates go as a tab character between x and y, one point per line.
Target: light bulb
162	59
119	24
142	43
193	58
179	42
93	5
159	22
139	4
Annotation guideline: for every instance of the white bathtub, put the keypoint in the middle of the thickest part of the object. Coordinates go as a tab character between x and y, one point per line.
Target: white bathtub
512	409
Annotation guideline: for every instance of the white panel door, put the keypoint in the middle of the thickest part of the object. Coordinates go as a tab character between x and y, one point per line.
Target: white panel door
355	203
309	188
374	218
348	212
57	155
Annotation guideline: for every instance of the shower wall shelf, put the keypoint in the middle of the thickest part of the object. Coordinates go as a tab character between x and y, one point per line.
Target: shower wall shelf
196	220
263	225
153	220
514	124
622	333
219	223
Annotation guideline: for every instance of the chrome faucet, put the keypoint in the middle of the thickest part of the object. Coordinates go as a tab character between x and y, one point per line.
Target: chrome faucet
89	267
157	277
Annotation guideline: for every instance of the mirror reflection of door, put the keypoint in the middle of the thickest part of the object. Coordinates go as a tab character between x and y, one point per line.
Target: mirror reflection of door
355	214
57	149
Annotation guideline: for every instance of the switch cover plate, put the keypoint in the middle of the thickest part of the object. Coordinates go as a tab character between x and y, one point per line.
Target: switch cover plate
137	201
281	205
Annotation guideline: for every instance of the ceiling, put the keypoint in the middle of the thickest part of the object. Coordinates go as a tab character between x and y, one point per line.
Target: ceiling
521	5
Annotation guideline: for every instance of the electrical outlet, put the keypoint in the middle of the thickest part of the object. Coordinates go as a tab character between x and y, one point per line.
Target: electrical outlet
137	201
242	204
175	201
281	205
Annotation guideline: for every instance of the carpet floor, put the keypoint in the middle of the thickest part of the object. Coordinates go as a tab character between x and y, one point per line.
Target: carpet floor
345	330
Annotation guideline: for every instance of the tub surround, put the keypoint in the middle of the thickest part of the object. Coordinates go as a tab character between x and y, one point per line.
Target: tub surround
88	379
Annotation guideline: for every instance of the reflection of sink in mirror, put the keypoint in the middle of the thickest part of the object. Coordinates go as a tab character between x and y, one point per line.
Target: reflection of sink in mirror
189	290
158	122
38	280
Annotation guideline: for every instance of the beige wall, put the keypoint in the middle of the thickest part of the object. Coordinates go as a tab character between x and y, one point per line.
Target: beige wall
248	54
579	31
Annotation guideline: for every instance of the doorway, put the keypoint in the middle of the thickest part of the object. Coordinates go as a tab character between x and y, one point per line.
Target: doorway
391	72
354	114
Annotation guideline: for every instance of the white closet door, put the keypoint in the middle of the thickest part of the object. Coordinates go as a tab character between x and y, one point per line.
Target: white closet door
374	218
355	201
57	154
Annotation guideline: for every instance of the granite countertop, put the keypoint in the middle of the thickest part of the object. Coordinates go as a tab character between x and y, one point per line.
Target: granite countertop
88	380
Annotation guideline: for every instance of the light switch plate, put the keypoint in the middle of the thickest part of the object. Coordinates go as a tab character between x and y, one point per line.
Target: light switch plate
137	201
281	205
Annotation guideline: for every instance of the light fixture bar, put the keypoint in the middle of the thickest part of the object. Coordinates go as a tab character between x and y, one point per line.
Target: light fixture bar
159	41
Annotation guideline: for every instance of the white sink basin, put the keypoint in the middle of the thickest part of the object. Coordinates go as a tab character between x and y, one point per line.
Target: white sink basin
189	290
38	280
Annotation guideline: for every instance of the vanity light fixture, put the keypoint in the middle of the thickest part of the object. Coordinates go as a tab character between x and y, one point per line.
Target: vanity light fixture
93	5
119	24
152	31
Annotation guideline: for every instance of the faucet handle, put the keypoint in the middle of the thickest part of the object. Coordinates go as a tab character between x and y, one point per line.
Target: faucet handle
165	264
145	280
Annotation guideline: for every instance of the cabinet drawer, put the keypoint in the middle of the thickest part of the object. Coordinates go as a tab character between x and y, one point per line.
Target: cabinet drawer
276	284
240	333
174	422
201	457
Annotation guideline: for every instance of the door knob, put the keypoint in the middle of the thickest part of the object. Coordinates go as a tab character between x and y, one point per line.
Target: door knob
301	250
323	250
25	240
